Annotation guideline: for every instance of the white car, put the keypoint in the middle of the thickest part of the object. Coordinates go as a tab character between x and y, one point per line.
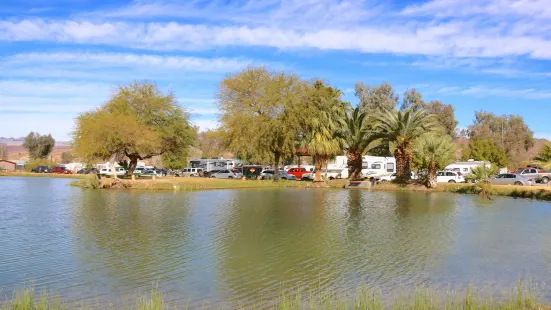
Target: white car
190	172
392	177
449	177
120	171
227	174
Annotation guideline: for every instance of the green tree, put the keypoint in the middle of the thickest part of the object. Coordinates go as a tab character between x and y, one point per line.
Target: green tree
66	157
3	151
445	114
357	135
508	131
544	156
465	151
175	160
259	114
481	176
39	146
488	150
376	98
401	128
211	143
412	100
323	119
137	122
433	152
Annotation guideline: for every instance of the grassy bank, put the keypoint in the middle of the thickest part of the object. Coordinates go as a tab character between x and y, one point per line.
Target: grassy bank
187	184
40	175
419	299
531	192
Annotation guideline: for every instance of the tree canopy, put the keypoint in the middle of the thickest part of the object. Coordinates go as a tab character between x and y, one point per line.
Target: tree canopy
481	149
259	116
39	146
137	122
544	156
432	153
376	98
508	131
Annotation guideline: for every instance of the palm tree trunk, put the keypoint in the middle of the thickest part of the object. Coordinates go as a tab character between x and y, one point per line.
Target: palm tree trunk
407	166
354	165
431	176
400	164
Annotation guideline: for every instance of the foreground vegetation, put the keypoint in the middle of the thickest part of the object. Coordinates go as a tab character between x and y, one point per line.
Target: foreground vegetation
420	298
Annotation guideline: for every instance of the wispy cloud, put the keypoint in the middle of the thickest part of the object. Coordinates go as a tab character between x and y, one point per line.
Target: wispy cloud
483	91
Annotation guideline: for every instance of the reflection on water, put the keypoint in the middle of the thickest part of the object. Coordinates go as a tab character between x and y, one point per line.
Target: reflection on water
222	246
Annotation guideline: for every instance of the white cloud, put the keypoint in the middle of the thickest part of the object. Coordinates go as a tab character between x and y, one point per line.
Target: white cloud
130	59
525	93
453	38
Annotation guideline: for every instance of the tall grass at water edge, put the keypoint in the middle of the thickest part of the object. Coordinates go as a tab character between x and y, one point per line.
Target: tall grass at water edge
420	299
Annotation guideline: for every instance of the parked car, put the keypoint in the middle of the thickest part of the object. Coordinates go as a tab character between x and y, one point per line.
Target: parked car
298	172
392	177
87	171
190	172
227	174
539	176
139	170
120	171
449	177
61	170
148	173
269	175
512	179
210	173
42	169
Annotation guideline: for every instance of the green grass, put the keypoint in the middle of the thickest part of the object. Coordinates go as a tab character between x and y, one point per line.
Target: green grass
419	299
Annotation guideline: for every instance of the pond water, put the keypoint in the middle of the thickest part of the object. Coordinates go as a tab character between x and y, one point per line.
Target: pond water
220	247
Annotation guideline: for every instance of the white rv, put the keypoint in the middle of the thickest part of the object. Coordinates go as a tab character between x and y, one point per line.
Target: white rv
466	167
377	166
209	165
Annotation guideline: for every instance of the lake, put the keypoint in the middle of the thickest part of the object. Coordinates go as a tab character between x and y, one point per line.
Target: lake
226	246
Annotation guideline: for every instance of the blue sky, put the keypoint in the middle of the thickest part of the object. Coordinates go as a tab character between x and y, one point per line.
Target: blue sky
59	58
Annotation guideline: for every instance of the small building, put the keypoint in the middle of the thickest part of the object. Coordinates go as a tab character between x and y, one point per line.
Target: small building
20	165
7	165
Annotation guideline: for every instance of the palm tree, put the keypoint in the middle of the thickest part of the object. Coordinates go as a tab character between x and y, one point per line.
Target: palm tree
481	175
433	152
544	156
402	128
324	120
357	135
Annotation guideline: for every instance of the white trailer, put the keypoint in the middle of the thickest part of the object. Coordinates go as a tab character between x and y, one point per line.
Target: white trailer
377	166
215	164
466	167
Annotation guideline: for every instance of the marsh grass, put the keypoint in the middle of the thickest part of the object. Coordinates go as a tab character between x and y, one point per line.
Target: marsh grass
420	299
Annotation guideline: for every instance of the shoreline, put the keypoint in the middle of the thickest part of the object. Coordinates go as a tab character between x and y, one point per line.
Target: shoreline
542	193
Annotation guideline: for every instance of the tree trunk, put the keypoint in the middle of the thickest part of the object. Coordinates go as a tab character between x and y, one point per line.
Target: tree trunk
113	170
354	165
318	163
431	176
407	164
277	156
132	165
399	164
403	164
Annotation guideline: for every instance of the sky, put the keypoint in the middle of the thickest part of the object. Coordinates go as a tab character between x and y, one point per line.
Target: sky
59	58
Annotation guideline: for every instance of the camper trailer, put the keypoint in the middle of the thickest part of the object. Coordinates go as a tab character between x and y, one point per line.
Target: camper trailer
209	165
377	166
466	167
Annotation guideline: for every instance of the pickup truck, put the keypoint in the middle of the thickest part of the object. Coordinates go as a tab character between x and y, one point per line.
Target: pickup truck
539	176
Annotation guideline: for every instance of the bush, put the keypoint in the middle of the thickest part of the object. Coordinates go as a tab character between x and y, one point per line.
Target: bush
91	181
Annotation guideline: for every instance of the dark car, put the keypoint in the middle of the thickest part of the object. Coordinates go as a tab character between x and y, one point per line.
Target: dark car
61	170
210	173
88	171
42	169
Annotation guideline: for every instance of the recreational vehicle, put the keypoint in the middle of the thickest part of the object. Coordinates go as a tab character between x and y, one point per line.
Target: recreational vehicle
466	167
377	166
209	165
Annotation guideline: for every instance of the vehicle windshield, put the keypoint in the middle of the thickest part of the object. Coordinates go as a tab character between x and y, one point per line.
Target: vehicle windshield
519	170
